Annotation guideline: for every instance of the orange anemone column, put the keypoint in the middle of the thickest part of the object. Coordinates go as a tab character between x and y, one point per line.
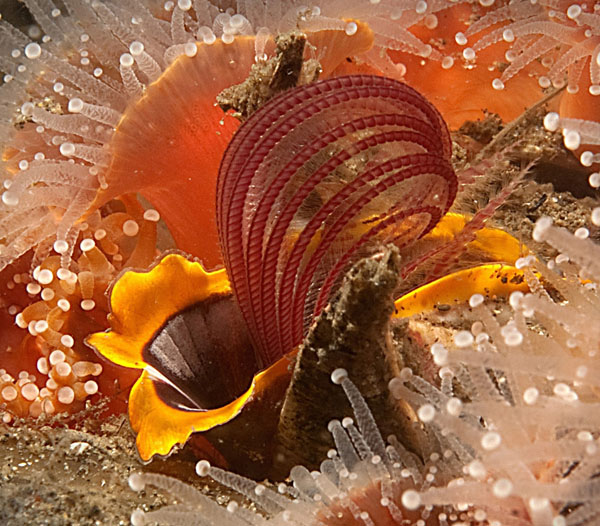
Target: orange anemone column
168	145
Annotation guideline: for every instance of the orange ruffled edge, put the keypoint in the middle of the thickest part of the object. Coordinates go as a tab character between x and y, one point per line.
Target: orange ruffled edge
141	302
159	427
492	280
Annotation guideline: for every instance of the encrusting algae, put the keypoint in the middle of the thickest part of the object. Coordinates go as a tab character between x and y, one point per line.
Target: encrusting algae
112	142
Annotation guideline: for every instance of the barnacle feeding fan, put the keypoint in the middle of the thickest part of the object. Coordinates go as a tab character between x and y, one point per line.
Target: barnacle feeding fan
304	191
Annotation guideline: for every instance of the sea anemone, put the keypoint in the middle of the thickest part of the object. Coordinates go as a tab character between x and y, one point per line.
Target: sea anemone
96	84
73	106
84	107
81	116
117	98
61	307
565	38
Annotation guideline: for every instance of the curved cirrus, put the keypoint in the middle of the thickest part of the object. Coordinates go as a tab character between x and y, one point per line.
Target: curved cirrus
320	176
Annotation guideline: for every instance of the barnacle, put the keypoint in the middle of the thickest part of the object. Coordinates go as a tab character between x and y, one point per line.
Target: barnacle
303	192
334	189
82	110
167	321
